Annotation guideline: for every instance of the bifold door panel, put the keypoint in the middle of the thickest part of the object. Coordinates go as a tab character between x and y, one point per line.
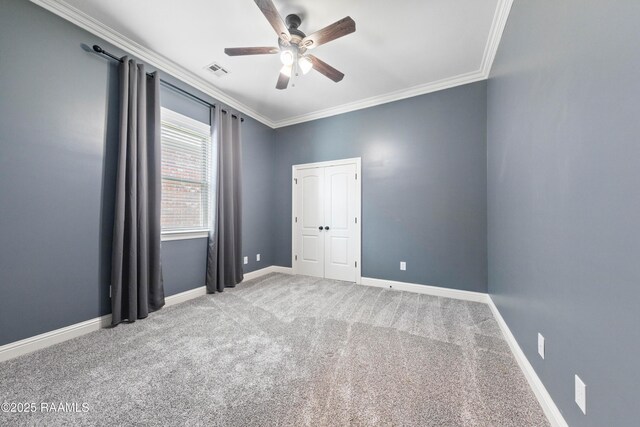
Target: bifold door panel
310	222
340	215
325	227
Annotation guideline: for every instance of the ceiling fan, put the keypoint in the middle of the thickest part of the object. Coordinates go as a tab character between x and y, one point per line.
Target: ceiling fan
293	44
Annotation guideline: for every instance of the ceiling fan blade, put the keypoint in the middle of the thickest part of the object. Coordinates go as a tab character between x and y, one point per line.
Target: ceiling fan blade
326	69
271	13
284	77
237	51
334	31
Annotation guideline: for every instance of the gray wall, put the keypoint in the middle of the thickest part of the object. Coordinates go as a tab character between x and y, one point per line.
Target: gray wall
563	205
423	184
58	135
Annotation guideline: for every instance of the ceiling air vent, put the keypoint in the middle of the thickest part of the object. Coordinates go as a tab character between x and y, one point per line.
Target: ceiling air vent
217	69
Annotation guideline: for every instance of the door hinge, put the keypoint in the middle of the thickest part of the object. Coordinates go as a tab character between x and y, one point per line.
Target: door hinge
296	219
356	220
356	264
109	291
296	257
296	180
356	176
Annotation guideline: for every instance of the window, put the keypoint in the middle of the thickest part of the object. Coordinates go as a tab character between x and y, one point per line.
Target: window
186	177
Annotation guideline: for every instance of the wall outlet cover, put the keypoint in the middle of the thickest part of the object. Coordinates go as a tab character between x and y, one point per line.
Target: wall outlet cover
540	345
581	395
258	257
403	265
246	260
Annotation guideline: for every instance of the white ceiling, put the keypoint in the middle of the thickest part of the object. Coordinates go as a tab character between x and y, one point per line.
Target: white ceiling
400	48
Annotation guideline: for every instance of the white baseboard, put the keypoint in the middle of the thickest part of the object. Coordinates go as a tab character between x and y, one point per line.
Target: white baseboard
185	296
27	345
267	270
279	269
548	406
426	289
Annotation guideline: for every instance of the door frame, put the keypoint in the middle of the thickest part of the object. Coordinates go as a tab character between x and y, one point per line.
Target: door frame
358	235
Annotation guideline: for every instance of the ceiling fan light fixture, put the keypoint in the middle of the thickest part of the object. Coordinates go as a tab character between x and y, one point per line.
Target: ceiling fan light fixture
287	57
293	44
305	64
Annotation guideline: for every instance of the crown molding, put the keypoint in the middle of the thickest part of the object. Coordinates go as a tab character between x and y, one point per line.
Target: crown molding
447	83
108	34
79	18
495	35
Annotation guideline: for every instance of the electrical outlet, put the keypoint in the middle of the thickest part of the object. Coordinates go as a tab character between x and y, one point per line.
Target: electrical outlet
540	345
246	260
403	265
581	395
258	257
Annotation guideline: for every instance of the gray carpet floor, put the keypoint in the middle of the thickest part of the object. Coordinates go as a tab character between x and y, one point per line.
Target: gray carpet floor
284	350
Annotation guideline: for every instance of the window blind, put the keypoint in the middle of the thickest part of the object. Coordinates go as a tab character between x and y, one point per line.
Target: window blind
186	177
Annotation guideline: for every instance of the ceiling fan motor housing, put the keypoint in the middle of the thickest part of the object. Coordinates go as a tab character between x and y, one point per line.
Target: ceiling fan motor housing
293	22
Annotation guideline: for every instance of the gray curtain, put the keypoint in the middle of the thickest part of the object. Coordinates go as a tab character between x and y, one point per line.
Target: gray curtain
136	274
224	251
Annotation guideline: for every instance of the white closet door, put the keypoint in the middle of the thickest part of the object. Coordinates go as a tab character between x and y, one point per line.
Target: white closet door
340	219
310	195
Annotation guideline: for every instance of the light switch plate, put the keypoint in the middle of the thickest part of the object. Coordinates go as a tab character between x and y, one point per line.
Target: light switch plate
246	260
403	265
540	345
258	257
581	395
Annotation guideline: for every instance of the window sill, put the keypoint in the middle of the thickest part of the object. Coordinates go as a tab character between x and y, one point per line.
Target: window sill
184	235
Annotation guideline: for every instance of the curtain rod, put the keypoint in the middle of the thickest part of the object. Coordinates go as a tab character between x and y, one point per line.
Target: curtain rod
101	51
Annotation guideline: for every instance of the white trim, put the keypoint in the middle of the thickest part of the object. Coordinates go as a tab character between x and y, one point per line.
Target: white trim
86	22
75	16
339	162
267	270
47	339
422	89
495	36
359	223
258	273
184	121
548	406
281	270
18	348
169	236
294	269
185	296
426	289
